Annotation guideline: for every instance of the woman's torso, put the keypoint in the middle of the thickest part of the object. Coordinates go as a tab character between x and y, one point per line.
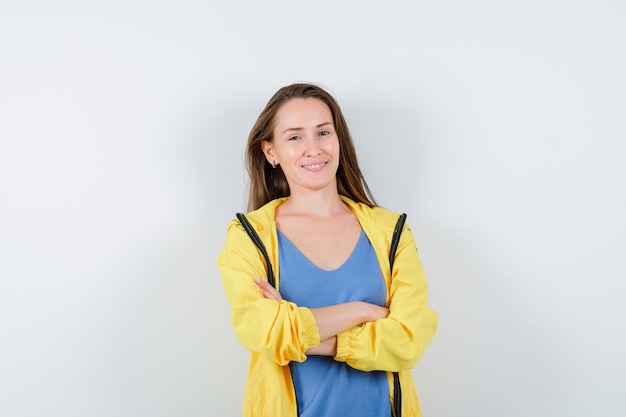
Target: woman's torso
325	387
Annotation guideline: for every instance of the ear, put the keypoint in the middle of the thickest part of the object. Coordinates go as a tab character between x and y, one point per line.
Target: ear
268	150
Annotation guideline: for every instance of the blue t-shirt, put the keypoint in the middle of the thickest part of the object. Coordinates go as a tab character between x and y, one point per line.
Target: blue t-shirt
325	387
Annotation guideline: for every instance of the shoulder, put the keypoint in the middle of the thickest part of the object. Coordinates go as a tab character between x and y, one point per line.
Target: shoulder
262	219
375	216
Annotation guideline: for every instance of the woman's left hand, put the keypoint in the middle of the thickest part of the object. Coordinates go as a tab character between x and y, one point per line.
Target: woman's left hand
267	291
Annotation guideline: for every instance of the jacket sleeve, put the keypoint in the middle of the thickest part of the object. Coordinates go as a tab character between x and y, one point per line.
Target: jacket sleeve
280	331
397	342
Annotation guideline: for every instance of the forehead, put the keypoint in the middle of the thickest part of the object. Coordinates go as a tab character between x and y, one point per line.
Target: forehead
303	112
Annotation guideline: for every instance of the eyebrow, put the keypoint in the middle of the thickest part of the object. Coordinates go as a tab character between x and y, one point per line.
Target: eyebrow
301	128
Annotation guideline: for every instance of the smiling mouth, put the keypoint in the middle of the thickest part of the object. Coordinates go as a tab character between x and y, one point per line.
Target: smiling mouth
314	166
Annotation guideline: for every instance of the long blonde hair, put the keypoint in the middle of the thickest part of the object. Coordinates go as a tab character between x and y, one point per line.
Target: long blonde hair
267	183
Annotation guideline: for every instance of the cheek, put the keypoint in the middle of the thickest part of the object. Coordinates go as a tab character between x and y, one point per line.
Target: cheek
290	152
337	150
332	147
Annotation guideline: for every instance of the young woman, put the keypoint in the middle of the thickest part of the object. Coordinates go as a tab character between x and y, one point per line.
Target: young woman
327	339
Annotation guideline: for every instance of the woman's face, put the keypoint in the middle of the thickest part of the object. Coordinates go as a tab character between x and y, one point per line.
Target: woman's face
305	145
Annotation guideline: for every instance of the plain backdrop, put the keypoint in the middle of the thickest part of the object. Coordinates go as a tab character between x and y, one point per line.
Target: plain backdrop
498	126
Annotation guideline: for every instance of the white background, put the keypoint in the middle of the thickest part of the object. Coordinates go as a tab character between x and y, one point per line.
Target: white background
499	127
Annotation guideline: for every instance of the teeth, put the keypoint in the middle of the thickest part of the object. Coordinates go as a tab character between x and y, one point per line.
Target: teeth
314	166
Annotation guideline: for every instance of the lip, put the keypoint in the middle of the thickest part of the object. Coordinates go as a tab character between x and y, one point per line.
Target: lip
318	166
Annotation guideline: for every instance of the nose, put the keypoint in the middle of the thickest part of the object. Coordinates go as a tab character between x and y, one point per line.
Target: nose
312	147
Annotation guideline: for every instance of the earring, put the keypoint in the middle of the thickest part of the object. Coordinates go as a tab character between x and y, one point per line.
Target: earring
273	164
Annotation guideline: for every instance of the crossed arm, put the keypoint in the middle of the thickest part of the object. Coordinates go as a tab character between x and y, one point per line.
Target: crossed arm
332	320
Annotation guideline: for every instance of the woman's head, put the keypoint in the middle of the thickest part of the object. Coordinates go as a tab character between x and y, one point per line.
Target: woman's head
268	183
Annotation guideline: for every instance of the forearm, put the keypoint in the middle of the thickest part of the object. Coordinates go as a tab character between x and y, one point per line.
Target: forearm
389	344
331	320
327	348
338	318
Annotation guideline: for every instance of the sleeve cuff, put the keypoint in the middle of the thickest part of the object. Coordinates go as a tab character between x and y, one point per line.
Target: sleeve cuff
309	334
343	346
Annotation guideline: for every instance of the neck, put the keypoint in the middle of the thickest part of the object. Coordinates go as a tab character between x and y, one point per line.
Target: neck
320	203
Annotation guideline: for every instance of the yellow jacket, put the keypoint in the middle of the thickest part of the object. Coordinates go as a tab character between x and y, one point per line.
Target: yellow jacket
277	333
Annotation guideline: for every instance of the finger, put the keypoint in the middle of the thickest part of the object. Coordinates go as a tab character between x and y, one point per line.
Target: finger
268	295
271	293
262	283
267	290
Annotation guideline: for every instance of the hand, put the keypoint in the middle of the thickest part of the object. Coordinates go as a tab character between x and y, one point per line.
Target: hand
267	291
338	318
374	312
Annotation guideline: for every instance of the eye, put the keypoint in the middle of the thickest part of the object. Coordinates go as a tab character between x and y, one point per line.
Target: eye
324	133
294	137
